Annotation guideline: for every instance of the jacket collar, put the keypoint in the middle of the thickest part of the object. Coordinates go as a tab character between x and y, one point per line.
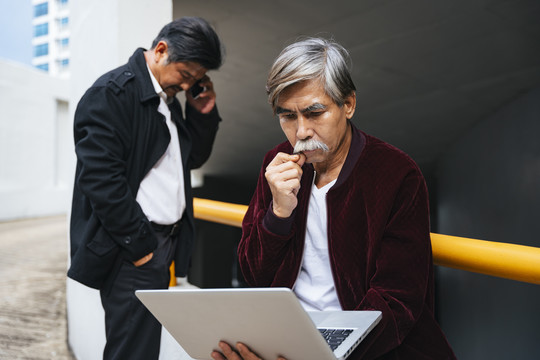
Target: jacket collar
137	62
358	142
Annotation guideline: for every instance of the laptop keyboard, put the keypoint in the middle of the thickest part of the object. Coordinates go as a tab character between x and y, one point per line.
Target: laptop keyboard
334	337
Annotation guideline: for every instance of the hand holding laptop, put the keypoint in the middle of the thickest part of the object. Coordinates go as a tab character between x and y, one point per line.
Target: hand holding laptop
209	324
244	353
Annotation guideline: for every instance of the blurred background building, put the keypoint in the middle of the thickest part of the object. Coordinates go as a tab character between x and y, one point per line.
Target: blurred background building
51	36
456	84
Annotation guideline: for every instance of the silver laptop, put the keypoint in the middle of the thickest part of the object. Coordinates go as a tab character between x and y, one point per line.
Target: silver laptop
270	321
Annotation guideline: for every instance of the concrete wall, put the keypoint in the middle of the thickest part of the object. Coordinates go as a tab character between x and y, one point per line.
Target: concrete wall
35	178
489	188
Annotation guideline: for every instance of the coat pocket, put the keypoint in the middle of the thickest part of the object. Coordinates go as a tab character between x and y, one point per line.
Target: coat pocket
102	243
94	263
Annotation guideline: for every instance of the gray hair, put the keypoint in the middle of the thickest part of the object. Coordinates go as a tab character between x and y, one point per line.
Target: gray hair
312	58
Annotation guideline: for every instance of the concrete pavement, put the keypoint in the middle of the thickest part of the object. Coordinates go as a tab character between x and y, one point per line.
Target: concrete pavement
32	289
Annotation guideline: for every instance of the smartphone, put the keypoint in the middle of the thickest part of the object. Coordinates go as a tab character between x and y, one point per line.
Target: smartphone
196	89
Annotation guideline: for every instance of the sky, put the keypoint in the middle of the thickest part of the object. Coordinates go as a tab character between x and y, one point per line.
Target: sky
16	30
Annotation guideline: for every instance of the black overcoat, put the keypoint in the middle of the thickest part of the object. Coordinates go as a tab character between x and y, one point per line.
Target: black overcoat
119	136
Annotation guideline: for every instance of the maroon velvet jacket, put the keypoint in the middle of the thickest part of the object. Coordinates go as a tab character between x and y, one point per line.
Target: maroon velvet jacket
379	244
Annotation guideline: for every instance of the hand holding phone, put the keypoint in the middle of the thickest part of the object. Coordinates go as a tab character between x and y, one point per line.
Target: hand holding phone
196	89
202	103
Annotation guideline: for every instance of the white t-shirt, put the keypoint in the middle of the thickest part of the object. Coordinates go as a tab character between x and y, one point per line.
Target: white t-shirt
315	284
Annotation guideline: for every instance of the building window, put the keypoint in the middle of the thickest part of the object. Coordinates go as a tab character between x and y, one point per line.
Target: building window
63	23
62	4
41	9
41	50
41	29
63	64
63	44
44	67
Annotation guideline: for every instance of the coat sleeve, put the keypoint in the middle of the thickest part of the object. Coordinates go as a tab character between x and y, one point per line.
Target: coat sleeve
202	129
265	246
102	143
399	287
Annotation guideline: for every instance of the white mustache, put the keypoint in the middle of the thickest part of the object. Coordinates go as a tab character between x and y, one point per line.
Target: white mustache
308	145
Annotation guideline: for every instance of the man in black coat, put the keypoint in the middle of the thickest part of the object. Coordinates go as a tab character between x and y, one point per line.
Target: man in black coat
132	211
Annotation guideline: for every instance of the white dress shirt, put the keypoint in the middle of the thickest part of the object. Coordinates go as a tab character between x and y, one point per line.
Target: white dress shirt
161	194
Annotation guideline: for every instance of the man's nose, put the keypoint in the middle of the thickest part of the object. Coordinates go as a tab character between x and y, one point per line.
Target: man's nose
185	86
303	131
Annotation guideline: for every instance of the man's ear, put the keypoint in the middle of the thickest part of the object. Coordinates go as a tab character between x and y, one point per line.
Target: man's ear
161	50
350	105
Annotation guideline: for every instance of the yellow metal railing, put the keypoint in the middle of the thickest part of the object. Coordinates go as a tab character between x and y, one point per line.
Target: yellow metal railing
510	261
215	211
515	262
220	212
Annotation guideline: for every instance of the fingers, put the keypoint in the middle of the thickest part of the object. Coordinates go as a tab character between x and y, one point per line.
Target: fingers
246	353
207	84
227	353
143	260
283	162
301	159
205	102
283	174
216	355
284	177
285	167
283	158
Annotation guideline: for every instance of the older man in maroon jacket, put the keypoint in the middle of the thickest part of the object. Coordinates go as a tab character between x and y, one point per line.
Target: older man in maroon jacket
339	216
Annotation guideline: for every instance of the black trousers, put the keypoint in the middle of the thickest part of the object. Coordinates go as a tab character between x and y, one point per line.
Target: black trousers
132	332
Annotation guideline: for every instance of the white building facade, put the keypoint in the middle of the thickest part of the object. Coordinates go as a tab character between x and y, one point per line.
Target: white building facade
36	166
